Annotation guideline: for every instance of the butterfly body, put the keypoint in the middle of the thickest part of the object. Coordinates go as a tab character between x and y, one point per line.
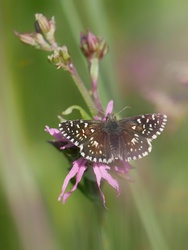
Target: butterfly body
106	141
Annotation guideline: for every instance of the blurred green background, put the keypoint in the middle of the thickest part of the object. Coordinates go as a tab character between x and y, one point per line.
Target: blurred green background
146	69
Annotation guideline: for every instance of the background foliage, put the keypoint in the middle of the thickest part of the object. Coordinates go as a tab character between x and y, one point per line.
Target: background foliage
146	69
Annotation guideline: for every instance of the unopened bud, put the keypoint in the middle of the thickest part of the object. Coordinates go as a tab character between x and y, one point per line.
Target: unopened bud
93	46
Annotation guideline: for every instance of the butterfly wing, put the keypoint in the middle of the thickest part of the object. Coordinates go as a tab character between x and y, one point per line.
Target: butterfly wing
130	139
89	136
136	135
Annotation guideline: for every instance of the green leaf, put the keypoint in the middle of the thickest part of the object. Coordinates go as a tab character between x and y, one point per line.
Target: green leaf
83	113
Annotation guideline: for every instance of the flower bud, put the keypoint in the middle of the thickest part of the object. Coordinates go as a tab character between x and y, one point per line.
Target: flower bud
93	46
61	58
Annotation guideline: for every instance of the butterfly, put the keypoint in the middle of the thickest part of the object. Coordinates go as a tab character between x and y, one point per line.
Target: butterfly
106	141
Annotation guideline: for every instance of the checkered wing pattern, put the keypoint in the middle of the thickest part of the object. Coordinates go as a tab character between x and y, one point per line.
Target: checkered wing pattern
137	134
90	137
106	141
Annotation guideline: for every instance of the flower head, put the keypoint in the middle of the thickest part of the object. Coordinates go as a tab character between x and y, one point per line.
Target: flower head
43	37
93	46
81	167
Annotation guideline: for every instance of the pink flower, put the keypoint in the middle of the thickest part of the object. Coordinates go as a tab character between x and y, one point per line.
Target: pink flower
81	165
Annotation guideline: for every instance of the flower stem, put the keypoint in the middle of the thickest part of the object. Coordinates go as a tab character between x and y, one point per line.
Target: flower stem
102	237
81	87
94	74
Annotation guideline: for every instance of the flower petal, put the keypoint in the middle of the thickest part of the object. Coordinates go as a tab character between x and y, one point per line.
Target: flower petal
98	178
113	182
54	132
109	108
123	171
77	169
100	171
68	145
58	135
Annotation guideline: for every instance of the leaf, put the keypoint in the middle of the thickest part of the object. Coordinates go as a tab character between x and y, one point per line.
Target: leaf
83	113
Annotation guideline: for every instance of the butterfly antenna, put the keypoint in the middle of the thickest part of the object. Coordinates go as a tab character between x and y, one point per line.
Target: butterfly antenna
100	111
126	107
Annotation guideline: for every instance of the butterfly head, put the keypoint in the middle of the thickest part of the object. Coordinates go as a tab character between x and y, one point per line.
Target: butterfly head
111	117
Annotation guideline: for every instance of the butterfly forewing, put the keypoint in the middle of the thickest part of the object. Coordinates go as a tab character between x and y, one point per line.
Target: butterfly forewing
149	125
78	131
89	136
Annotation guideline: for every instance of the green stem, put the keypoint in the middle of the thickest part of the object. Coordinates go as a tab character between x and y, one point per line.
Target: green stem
84	92
94	74
101	218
